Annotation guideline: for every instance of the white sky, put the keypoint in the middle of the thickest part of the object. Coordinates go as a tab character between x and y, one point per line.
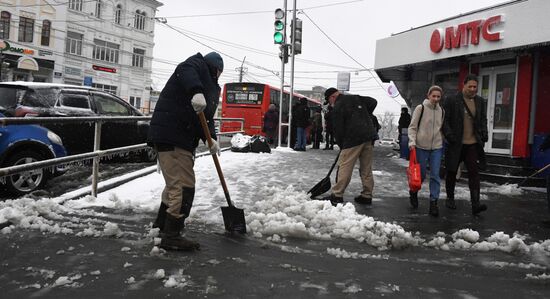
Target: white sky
353	25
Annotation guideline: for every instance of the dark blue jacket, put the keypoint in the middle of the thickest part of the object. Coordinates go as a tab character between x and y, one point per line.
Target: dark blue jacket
174	121
352	120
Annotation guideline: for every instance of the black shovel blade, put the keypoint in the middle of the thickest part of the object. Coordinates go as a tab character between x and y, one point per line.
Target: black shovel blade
320	188
233	218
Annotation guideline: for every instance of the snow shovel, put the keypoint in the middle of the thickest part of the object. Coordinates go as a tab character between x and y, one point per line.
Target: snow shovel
233	218
324	185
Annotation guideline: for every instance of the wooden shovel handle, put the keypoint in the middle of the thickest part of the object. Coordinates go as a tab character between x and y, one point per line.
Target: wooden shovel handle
206	131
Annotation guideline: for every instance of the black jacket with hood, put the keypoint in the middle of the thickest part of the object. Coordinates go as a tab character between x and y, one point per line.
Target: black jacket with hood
352	122
174	121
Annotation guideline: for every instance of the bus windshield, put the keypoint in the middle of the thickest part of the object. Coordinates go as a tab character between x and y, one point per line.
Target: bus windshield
244	93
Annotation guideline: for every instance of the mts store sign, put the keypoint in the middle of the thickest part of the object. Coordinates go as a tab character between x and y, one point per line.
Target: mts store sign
465	34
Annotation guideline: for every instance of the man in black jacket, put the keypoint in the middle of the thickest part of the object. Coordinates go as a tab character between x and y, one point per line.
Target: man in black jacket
354	133
175	132
465	130
300	117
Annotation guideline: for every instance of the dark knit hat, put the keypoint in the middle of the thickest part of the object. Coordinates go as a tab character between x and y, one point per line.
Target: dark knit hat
214	60
328	93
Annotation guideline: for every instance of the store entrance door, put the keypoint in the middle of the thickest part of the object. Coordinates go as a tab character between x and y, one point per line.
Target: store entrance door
498	86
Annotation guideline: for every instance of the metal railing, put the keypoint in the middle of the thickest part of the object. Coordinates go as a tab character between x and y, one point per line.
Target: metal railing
96	154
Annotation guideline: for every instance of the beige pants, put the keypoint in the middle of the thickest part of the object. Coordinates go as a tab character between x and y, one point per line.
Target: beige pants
346	163
177	170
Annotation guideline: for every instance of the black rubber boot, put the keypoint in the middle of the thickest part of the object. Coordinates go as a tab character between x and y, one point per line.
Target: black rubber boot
413	198
187	196
171	238
363	200
434	210
161	216
476	206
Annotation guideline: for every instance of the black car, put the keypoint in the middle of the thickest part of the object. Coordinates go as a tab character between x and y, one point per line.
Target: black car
27	99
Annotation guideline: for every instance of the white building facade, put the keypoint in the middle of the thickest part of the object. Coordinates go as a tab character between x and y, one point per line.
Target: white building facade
107	44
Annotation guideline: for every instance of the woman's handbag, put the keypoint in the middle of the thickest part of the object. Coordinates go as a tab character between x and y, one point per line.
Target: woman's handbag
413	172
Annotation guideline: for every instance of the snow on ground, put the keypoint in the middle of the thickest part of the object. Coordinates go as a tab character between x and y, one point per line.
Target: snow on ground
271	188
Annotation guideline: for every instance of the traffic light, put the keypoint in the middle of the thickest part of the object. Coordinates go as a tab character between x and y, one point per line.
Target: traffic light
297	36
283	55
279	35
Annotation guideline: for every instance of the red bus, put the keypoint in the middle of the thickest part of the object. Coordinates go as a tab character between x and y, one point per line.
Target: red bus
251	101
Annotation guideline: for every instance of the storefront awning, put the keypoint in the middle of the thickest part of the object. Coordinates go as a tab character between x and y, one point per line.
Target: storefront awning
27	63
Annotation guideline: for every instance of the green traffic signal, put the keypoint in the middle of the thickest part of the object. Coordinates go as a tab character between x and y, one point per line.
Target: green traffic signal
278	37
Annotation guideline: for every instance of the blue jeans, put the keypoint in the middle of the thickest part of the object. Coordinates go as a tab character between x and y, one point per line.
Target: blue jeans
434	158
300	138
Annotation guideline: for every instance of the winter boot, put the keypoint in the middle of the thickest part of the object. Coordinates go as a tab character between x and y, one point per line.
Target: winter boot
363	200
476	206
413	198
171	238
187	196
434	210
334	200
161	216
450	203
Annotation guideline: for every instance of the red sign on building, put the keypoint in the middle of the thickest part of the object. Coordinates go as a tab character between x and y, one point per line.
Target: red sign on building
104	69
465	34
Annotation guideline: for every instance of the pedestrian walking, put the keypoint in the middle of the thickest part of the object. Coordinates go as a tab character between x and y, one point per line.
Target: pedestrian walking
271	123
316	129
174	132
465	130
426	138
402	129
300	117
354	133
329	135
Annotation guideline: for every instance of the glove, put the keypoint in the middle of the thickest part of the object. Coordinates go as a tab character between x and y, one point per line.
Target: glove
198	102
215	148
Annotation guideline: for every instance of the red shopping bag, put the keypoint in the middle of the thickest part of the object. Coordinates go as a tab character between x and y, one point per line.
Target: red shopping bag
413	172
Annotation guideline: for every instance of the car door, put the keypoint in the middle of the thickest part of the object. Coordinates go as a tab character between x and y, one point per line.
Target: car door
114	134
77	137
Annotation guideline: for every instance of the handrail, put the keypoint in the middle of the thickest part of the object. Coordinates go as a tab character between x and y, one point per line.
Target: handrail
96	154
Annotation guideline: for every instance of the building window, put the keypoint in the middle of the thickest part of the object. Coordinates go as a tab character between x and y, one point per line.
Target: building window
105	51
74	43
137	57
45	38
26	29
5	19
108	88
139	20
118	13
98	8
135	101
75	5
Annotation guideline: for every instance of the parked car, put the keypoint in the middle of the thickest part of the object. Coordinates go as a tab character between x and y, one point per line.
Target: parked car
26	99
21	144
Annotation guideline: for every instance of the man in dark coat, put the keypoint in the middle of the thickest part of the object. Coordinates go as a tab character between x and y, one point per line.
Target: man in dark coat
300	117
271	122
402	128
354	133
465	130
329	136
174	132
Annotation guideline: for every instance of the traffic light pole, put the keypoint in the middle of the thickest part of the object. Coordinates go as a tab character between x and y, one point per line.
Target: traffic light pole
291	72
281	98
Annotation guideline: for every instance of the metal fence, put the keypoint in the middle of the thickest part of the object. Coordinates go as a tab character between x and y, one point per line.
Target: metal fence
96	154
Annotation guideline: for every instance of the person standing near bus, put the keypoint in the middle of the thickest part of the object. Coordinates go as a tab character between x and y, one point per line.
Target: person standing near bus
465	129
300	117
426	138
329	136
271	122
174	132
354	133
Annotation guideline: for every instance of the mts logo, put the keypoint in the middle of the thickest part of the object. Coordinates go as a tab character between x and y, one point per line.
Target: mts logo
465	34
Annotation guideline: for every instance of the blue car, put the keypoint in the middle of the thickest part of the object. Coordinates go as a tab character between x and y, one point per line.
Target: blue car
21	144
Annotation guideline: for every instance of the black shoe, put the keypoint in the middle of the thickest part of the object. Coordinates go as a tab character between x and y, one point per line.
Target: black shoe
413	199
450	203
478	208
434	210
363	200
334	200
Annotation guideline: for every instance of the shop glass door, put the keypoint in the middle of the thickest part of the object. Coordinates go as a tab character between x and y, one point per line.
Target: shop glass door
498	86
